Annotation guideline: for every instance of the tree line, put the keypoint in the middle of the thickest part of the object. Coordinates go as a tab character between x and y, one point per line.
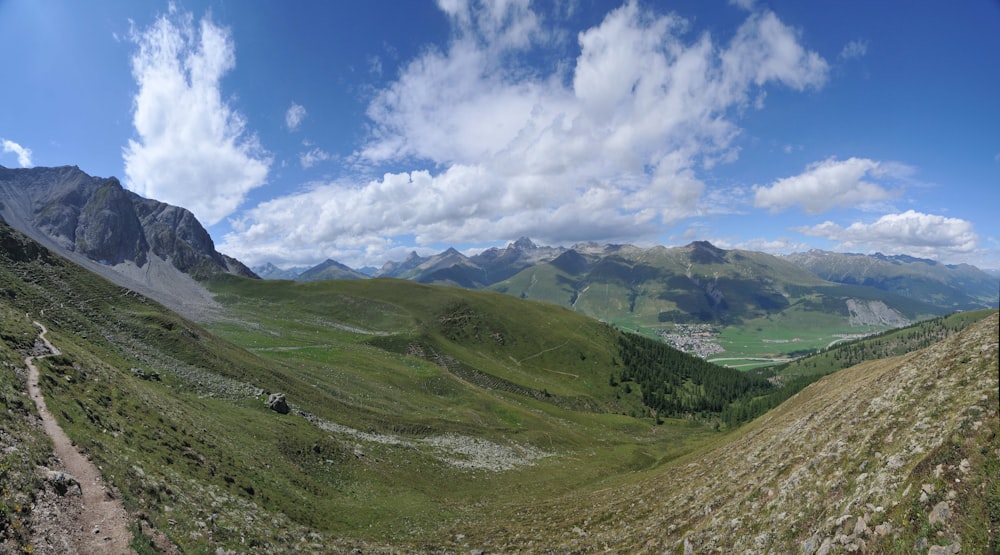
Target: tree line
674	383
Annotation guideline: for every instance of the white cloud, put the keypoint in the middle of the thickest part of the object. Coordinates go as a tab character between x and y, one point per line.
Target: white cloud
192	148
855	49
781	245
312	157
294	116
830	183
911	232
23	154
606	145
375	65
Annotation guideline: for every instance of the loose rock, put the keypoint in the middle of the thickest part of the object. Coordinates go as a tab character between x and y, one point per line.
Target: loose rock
62	481
277	403
939	513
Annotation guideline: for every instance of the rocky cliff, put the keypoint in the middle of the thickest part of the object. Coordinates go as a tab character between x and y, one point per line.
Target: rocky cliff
158	249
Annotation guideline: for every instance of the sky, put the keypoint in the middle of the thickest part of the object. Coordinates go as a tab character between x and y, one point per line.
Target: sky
363	131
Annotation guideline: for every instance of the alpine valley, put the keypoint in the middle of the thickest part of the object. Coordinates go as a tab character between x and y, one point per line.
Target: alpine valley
495	403
740	307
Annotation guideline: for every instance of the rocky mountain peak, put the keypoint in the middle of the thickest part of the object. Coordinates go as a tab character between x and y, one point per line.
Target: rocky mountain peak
96	220
523	243
703	252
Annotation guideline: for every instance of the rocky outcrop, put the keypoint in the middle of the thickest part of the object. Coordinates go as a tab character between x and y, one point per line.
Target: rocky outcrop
63	482
97	218
873	313
277	403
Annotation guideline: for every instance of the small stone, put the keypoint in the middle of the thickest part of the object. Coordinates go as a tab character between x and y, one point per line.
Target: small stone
945	549
964	466
939	513
809	546
861	527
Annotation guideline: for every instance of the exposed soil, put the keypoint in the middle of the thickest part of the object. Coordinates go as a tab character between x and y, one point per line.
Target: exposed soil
82	518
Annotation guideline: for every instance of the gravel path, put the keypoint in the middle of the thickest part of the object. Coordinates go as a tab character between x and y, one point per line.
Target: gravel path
97	522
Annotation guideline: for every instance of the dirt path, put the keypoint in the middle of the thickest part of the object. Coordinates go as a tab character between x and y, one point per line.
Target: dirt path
96	523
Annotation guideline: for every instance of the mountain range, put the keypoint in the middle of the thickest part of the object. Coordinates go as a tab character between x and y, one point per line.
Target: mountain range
757	300
700	283
955	287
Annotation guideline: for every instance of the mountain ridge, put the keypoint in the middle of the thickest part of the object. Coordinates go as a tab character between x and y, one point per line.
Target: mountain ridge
956	286
158	249
330	269
758	300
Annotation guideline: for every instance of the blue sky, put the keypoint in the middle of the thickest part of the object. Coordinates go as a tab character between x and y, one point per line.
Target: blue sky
361	131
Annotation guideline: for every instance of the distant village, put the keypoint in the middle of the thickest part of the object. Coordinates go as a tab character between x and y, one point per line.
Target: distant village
696	339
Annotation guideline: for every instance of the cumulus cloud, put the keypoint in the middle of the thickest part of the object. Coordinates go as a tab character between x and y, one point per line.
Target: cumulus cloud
23	154
911	232
607	144
830	183
855	49
294	116
192	148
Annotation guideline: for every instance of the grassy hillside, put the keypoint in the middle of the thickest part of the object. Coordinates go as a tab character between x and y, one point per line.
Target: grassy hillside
411	406
892	456
23	444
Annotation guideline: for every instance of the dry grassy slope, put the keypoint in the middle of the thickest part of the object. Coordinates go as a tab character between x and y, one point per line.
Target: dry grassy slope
838	468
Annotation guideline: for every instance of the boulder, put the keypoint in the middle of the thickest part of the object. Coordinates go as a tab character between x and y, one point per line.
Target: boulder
62	481
277	403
